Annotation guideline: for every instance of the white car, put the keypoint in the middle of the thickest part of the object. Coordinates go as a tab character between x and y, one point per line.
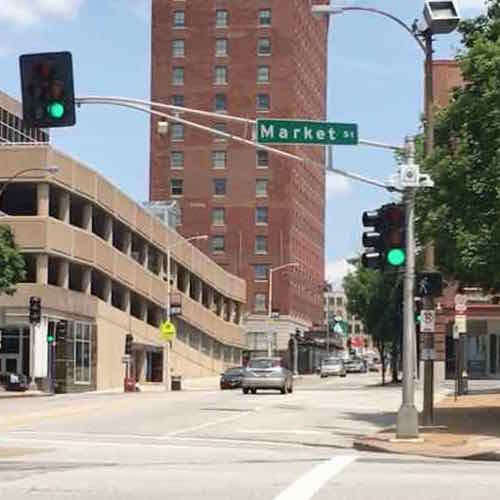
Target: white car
332	366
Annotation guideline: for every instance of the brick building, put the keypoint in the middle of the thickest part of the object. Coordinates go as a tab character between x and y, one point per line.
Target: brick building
265	58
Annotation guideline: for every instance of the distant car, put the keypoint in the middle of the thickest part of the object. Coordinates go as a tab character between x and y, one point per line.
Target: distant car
355	365
332	366
232	378
14	382
267	373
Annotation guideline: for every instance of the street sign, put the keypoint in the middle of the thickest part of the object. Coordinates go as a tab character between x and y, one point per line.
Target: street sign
338	329
427	321
167	330
428	354
461	323
271	131
460	303
456	332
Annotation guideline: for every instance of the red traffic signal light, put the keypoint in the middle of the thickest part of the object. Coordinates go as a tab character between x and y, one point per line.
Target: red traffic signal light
47	89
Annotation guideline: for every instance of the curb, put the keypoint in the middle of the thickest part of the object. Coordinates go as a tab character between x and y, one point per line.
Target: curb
485	456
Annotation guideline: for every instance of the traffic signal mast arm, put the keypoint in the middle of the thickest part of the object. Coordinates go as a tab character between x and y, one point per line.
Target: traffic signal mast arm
146	107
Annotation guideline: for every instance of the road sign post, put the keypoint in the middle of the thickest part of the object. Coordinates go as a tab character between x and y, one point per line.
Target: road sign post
272	131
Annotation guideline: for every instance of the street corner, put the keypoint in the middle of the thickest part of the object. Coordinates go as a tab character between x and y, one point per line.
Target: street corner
437	443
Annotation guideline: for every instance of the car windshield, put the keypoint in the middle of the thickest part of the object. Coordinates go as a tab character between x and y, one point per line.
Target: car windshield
264	363
233	371
331	361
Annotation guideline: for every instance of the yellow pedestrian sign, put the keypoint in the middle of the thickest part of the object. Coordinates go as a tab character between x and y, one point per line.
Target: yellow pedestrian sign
167	331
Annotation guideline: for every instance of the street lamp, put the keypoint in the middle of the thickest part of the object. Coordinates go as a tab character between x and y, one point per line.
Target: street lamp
51	169
441	17
270	298
169	248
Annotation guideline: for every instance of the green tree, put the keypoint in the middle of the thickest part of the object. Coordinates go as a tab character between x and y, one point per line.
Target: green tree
462	213
373	297
12	266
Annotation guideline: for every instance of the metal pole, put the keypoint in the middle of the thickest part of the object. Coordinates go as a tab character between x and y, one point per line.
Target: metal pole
168	284
328	325
407	419
295	355
269	310
428	303
32	385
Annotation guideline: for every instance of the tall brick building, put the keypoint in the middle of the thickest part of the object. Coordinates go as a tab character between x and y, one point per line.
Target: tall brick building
265	58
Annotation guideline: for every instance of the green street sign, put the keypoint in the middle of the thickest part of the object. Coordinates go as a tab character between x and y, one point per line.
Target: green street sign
271	131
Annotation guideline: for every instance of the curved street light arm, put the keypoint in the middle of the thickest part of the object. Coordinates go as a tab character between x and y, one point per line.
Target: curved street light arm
392	18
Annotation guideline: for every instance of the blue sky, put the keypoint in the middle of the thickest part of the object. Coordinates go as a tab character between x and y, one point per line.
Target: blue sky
375	80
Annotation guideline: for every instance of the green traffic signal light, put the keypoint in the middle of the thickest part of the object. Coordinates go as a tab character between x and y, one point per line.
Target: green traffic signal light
396	257
50	338
55	109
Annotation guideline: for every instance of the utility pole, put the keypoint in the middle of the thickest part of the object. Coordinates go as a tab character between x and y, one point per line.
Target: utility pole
428	302
407	419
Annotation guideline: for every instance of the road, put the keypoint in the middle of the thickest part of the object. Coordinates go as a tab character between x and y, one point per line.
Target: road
221	445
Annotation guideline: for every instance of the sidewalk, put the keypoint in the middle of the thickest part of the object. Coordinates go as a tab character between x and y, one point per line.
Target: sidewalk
466	429
25	394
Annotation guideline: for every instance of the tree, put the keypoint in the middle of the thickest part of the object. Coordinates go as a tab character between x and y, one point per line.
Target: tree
373	297
462	213
12	265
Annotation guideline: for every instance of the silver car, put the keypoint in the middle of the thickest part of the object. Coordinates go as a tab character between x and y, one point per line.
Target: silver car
267	373
332	366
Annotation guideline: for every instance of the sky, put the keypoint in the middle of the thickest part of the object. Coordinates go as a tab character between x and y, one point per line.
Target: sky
375	79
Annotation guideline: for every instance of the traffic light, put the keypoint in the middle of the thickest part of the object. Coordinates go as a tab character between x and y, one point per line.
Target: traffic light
47	89
429	285
35	309
128	343
385	242
418	310
51	334
61	331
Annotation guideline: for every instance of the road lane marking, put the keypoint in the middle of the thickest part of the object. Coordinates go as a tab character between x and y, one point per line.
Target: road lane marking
309	484
209	424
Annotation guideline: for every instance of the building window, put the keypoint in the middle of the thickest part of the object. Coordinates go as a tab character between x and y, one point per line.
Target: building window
265	17
176	187
221	18
263	74
177	132
179	19
218	216
260	302
261	244
339	301
177	159
220	102
178	100
263	102
221	47
82	347
261	187
220	75
178	76
219	159
177	48
261	215
357	328
219	187
218	243
262	159
264	47
221	127
261	271
349	328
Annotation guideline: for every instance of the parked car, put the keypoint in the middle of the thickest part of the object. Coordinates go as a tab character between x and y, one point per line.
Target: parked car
232	378
355	365
332	366
267	373
14	382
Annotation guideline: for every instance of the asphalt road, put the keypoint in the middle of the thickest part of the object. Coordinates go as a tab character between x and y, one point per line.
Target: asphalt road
221	445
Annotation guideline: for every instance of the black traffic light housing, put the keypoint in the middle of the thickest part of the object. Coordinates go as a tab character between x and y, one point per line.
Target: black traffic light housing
429	285
47	89
129	339
35	310
51	333
385	242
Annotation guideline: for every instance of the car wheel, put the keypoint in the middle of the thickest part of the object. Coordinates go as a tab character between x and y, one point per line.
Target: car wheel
343	375
253	391
245	390
290	388
322	376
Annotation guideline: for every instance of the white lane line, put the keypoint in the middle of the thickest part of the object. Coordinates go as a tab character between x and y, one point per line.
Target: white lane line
309	484
209	424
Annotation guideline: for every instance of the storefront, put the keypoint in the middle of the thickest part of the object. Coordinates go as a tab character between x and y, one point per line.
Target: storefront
15	350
